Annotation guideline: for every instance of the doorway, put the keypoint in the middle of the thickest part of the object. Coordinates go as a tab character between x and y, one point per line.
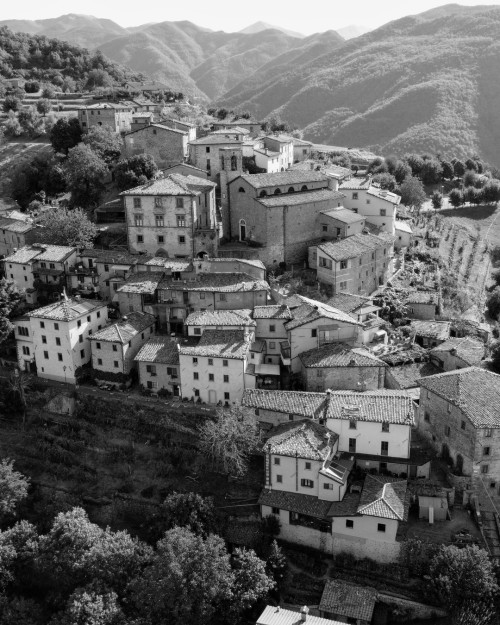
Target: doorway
212	397
243	230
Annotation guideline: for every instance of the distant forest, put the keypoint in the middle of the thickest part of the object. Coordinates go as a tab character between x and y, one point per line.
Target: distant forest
35	57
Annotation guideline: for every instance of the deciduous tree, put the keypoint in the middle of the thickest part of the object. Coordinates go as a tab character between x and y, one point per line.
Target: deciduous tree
135	171
9	300
44	106
106	143
11	103
61	226
31	122
65	134
13	487
437	199
456	198
412	193
85	172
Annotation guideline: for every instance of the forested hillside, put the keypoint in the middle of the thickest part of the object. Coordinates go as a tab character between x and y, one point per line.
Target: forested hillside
36	57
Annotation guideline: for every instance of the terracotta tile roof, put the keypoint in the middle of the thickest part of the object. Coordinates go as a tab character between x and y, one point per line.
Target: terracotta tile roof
258	181
312	405
348	302
475	391
220	318
469	350
22	255
295	502
219	344
414	353
423	297
272	312
142	282
408	376
216	140
113	257
279	616
354	246
125	330
172	184
378	406
15	225
46	253
304	439
235	130
67	310
312	310
159	126
439	330
160	350
245	261
348	600
382	194
343	214
168	263
385	498
339	355
302	197
356	183
217	282
403	226
347	507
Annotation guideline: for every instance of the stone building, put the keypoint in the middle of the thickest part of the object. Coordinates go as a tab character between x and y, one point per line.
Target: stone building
458	353
368	199
459	412
15	233
339	223
118	117
205	153
166	145
158	366
423	305
277	213
173	216
271	329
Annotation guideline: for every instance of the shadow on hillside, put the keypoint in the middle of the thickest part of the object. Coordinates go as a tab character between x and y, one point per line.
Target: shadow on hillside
478	213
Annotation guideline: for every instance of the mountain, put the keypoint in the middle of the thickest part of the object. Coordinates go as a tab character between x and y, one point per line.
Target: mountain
258	27
352	31
429	82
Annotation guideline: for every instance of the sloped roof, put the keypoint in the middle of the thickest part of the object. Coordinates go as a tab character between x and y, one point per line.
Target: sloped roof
217	282
125	330
343	214
278	311
469	350
47	253
348	302
67	309
217	139
273	615
408	375
254	262
312	310
356	183
439	330
305	404
475	391
301	197
156	125
349	600
230	344
380	406
22	255
172	184
220	318
159	350
354	246
403	226
258	181
385	498
295	502
113	257
339	355
142	282
15	225
304	439
174	264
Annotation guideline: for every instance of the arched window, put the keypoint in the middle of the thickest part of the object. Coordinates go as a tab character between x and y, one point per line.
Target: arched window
241	190
234	163
277	191
304	187
263	194
243	230
291	190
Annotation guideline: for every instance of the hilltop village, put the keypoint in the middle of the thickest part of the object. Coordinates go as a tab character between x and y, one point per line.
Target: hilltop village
257	276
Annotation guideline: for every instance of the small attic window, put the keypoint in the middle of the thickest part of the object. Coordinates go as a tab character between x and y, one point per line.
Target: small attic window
242	190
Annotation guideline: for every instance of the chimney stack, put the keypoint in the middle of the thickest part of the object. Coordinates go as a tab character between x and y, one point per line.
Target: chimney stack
303	614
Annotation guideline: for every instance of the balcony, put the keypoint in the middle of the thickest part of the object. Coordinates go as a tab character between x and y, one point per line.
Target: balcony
285	353
82	270
373	321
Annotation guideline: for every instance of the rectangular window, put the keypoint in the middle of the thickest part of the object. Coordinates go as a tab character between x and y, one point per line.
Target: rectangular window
151	369
159	221
210	362
106	268
182	240
488	432
98	346
26	350
485	468
161	239
158	202
59	357
179	202
82	353
307	483
99	361
272	345
80	338
354	196
279	479
137	202
343	264
385	426
462	425
447	430
222	297
207	150
349	523
486	451
276	510
42	324
381	527
225	363
272	328
140	238
138	220
383	212
196	376
427	417
314	333
226	396
353	424
44	339
115	363
343	286
328	486
197	330
79	323
22	331
195	361
226	379
384	448
46	355
277	461
211	377
308	466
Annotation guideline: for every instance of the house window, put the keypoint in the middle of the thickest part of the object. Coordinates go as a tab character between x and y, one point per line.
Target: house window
140	238
352	424
44	339
449	407
115	363
343	286
137	202
207	149
99	361
158	202
210	362
159	221
486	451
181	221
272	328
324	227
276	510
152	384
115	348
308	466
488	432
222	297
384	448
327	486
355	196
343	264
79	323
138	220
307	483
277	461
383	212
485	468
182	240
226	379
225	363
98	314
385	426
197	330
195	361
106	268
59	357
98	345
161	239
46	355
349	523
462	425
42	324
179	202
447	430
314	333
196	376
22	331
211	377
427	417
26	350
82	353
272	345
196	392
279	479
381	527
290	417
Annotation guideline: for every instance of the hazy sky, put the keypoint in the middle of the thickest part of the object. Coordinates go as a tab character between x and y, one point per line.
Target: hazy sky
304	17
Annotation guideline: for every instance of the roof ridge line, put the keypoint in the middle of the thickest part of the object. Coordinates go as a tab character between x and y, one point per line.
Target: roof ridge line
386	502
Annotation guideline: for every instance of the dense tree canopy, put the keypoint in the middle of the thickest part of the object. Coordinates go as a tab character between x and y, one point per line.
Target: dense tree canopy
135	171
104	142
13	487
65	134
9	300
60	226
412	192
85	172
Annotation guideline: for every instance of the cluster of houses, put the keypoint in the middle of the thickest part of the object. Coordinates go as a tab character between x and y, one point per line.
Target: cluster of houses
187	311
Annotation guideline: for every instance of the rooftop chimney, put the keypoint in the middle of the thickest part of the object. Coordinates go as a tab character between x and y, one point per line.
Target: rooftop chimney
303	613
